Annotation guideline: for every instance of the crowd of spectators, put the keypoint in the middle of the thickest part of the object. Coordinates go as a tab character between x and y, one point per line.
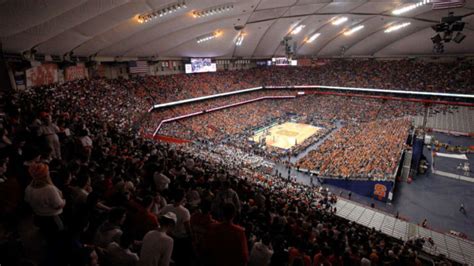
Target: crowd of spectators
360	150
118	101
113	198
93	192
316	109
383	74
234	126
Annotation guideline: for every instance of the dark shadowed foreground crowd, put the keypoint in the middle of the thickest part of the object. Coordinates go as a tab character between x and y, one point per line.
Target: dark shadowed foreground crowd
77	187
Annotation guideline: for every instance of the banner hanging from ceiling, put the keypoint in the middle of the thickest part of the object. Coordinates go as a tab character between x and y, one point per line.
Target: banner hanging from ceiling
75	72
42	75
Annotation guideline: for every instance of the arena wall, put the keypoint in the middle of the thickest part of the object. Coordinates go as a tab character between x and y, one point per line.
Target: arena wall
380	190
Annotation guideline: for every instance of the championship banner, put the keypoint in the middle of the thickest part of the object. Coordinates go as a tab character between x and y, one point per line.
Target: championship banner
75	72
321	62
42	75
98	71
305	62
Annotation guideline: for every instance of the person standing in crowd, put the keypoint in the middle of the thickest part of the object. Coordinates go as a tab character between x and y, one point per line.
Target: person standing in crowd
227	195
47	203
45	199
120	254
226	243
157	245
81	189
141	218
86	144
201	222
261	253
111	231
182	231
161	181
424	223
49	131
3	169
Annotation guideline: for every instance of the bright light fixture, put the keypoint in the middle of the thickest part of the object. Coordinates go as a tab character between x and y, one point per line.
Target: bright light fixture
339	21
313	37
161	12
297	29
240	39
208	37
213	11
397	27
351	31
408	8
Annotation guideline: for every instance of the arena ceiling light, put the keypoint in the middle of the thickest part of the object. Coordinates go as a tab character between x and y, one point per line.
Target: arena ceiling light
459	37
240	39
355	29
213	11
408	8
338	21
208	37
144	18
397	27
313	37
297	29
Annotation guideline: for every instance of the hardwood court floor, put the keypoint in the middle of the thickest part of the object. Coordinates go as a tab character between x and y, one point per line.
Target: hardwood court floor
286	135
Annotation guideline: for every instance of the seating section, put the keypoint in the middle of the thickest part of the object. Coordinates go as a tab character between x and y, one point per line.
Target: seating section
79	186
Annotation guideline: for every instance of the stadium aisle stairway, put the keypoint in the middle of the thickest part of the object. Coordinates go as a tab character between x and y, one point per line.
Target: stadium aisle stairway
455	248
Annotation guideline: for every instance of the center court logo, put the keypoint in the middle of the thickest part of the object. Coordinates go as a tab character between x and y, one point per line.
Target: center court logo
380	191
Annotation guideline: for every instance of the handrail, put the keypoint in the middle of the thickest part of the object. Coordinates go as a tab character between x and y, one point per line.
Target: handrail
336	88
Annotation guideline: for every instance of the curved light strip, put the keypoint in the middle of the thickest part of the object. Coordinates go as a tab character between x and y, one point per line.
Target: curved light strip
355	29
405	9
208	37
339	21
313	37
397	27
297	29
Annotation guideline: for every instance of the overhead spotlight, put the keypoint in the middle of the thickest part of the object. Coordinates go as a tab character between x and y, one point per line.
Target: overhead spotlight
161	12
448	36
339	21
212	11
438	48
458	26
436	39
405	9
313	37
459	37
408	8
397	27
240	39
355	29
297	29
442	27
209	36
445	30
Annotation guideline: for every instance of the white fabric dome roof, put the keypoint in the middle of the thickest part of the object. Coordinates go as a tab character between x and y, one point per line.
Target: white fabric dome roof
111	28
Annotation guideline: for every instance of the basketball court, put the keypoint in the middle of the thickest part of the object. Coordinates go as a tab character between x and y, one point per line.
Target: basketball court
285	135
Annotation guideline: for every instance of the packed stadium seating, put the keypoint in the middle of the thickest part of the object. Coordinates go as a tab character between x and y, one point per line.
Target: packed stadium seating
97	190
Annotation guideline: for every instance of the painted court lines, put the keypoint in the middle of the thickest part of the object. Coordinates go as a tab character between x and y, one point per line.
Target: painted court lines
286	135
